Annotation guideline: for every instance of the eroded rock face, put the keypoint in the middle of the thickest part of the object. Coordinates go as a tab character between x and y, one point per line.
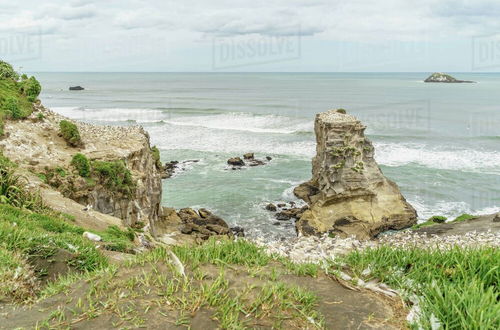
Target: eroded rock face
348	194
36	145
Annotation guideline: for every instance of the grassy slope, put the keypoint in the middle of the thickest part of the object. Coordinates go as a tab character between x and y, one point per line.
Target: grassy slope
458	288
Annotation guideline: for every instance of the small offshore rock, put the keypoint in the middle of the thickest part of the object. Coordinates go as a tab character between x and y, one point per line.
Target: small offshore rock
76	88
238	231
281	205
283	216
269	158
92	237
236	161
249	155
271	207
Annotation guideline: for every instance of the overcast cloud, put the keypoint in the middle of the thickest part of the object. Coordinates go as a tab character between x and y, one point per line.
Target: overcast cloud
164	35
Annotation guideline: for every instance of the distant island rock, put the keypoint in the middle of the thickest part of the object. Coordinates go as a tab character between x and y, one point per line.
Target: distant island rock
438	77
76	88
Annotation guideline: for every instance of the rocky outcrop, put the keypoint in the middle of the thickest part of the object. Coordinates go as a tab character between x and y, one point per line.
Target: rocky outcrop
348	194
439	77
37	147
248	160
189	225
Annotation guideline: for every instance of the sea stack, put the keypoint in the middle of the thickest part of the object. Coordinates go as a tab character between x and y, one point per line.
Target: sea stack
348	194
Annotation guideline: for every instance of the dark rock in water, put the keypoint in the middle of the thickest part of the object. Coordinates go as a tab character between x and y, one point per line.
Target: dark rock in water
169	169
256	162
236	161
283	216
249	155
438	77
276	223
238	231
269	158
287	214
76	88
281	205
271	207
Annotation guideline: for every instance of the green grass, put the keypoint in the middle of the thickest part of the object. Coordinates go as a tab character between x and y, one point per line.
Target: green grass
464	217
459	287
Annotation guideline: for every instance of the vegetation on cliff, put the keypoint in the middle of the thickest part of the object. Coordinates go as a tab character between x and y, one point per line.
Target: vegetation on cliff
17	94
69	132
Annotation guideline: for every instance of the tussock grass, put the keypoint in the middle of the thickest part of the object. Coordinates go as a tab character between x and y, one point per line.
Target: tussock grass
458	287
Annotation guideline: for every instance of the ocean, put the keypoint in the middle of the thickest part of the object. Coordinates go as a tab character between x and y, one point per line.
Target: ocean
438	142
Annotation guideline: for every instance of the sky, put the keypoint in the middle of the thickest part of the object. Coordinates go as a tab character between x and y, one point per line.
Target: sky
251	35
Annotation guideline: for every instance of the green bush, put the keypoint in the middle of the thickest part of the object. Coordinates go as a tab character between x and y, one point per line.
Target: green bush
438	219
70	133
156	156
31	88
114	175
11	106
82	165
7	72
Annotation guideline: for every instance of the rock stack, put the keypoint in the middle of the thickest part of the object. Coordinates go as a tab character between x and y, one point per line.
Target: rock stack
348	194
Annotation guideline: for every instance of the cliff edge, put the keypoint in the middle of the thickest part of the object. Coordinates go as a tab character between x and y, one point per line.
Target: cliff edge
36	145
348	194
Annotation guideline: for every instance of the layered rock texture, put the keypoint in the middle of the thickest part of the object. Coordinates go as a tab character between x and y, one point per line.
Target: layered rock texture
348	194
36	145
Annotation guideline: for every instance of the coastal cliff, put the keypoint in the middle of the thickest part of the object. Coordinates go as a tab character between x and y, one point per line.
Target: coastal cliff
348	194
37	146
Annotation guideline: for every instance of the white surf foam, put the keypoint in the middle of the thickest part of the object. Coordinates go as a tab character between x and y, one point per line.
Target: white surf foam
246	122
112	114
394	154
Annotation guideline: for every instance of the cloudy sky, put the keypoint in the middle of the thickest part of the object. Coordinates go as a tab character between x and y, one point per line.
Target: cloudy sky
251	35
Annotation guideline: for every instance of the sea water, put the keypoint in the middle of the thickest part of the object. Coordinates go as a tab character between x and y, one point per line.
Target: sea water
439	142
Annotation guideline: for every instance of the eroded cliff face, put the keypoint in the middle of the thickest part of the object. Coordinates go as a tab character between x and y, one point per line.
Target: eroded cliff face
36	146
348	194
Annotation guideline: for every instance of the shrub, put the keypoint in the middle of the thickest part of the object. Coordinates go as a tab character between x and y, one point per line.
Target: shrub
156	156
438	219
7	72
70	133
114	175
11	105
31	88
82	165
